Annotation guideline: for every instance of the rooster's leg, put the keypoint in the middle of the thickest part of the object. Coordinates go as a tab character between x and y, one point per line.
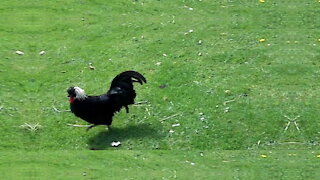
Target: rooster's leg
109	127
91	126
127	109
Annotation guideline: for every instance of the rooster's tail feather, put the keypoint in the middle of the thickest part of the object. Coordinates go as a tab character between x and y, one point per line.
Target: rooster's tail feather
121	89
129	77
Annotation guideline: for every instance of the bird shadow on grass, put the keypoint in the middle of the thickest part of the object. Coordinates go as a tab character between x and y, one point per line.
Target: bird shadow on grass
103	139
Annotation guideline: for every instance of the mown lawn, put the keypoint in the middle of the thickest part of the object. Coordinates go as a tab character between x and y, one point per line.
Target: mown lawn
222	75
146	164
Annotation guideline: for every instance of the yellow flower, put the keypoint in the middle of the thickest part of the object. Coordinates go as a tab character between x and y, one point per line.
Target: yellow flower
262	1
318	156
263	156
262	40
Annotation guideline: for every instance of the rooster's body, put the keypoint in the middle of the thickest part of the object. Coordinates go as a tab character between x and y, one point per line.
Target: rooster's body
99	110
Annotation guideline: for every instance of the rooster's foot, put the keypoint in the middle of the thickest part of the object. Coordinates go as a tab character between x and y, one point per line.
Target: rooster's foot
91	126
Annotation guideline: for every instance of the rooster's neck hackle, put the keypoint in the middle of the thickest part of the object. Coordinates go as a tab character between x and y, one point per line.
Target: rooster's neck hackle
80	94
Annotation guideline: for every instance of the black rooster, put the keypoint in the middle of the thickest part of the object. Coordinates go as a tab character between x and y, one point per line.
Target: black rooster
99	110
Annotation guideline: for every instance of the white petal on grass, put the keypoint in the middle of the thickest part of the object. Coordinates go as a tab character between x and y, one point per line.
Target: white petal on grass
115	143
175	125
192	163
189	31
42	52
19	52
187	7
91	67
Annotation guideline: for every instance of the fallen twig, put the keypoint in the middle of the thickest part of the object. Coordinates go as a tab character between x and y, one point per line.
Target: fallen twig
141	103
297	127
55	109
148	111
31	127
229	101
232	100
78	125
59	111
169	117
291	143
292	121
287	126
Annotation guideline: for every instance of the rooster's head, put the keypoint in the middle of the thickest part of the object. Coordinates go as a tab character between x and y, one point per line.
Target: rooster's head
76	93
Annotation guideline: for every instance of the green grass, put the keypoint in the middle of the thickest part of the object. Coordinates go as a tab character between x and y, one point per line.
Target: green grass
160	165
226	89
